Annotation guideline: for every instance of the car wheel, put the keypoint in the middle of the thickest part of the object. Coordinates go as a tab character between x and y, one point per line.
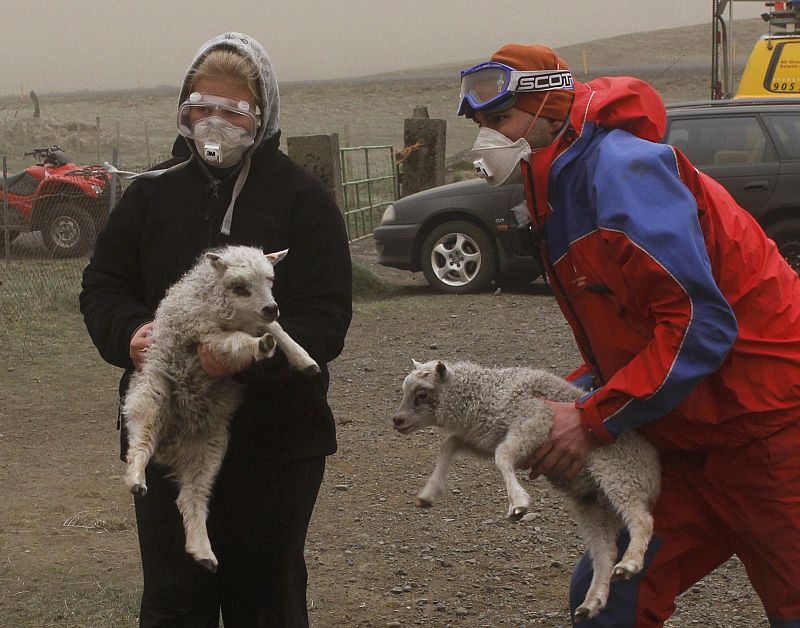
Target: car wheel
68	231
459	257
786	234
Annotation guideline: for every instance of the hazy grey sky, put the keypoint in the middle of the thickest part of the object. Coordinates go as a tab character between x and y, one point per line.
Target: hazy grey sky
112	44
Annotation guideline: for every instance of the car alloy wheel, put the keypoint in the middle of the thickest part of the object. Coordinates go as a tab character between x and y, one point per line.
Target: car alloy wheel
458	257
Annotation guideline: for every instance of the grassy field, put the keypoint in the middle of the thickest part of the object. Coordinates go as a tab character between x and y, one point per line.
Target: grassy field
370	111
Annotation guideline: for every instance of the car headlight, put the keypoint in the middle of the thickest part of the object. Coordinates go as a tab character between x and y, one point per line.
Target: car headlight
389	215
97	189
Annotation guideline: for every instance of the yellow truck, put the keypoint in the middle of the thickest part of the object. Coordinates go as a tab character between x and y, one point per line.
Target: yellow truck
773	68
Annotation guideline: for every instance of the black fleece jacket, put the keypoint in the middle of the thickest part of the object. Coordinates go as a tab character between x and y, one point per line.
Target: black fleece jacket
156	233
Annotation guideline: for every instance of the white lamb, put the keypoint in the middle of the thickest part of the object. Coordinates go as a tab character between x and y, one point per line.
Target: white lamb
175	413
500	412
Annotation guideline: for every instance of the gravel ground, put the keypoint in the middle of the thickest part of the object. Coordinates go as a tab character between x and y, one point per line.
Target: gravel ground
376	560
68	550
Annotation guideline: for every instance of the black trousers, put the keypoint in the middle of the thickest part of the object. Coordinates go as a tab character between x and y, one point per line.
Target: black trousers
258	519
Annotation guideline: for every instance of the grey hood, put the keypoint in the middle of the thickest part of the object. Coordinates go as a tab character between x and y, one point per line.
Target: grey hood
268	101
268	97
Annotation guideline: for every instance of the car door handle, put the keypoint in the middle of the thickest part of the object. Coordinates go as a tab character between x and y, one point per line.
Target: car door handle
756	185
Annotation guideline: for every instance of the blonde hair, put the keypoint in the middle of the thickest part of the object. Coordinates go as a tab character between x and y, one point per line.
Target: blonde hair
230	64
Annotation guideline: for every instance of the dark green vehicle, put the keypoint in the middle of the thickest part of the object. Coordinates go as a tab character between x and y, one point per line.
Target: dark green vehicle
464	235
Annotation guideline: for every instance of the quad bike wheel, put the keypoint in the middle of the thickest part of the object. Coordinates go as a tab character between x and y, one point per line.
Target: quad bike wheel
68	231
11	235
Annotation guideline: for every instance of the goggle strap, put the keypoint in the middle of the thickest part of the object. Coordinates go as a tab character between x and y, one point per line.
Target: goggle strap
536	115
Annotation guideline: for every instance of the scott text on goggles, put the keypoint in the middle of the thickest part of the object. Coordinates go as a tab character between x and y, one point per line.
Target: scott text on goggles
540	81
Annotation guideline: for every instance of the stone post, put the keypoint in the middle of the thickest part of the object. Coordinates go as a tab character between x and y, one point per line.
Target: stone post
320	154
35	99
424	152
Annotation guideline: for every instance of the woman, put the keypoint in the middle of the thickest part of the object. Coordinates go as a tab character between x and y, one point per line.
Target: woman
228	182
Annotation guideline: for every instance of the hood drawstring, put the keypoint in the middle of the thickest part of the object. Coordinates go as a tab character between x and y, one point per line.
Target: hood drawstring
147	174
225	229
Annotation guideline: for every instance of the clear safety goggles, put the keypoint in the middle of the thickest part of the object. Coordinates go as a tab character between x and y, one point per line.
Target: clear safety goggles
494	85
198	106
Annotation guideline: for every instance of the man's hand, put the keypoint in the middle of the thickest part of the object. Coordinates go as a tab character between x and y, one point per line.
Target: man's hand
564	452
140	341
212	367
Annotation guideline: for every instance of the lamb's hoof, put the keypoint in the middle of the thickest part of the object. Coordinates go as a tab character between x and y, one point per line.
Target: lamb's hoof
517	513
311	370
582	613
139	489
422	502
266	344
209	564
588	609
625	571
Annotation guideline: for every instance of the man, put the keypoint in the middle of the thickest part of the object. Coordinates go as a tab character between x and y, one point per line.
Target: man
686	315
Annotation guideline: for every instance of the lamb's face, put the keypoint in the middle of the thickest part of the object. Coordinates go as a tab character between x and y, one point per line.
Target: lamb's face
421	390
246	276
249	294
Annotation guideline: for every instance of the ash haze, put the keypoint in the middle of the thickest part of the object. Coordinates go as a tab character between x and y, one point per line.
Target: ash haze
90	45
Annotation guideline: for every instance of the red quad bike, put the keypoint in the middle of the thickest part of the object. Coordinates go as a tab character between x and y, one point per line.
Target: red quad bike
66	202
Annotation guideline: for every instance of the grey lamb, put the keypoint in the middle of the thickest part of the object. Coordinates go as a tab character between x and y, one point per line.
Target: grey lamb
500	413
175	412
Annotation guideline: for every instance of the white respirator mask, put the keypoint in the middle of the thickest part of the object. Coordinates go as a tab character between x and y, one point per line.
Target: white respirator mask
497	159
220	143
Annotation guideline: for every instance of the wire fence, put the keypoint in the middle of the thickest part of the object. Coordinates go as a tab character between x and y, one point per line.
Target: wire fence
53	210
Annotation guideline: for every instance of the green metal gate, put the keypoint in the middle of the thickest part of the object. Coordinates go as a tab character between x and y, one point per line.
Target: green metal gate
369	185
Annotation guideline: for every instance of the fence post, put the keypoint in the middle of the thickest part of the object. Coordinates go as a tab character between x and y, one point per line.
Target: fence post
117	138
6	239
35	99
424	152
320	154
347	160
97	127
112	198
147	143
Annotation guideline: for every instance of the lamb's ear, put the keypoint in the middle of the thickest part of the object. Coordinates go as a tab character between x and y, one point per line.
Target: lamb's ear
416	364
276	257
441	371
216	261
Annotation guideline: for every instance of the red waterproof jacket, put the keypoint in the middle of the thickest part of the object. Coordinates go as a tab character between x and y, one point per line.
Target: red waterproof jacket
687	316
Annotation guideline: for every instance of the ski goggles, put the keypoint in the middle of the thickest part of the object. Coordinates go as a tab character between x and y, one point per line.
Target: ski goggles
198	106
494	85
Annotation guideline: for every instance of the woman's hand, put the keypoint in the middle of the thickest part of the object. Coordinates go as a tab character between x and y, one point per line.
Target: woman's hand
564	452
140	341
